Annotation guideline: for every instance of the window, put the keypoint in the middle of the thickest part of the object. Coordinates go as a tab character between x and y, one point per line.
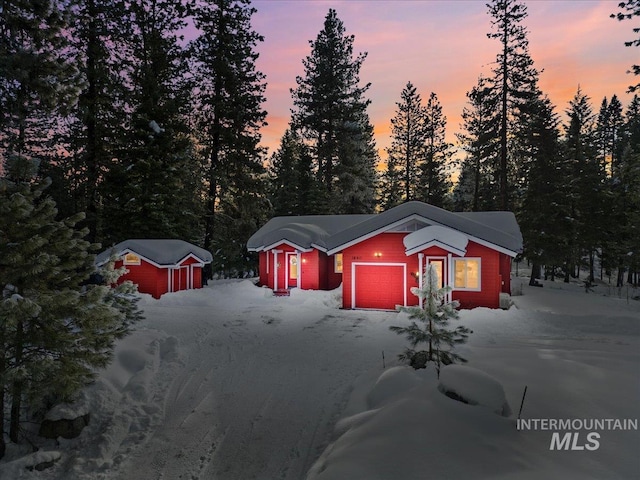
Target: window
131	259
466	273
337	263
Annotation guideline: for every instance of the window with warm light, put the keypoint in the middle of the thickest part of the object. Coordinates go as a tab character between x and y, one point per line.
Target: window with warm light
466	273
338	263
131	259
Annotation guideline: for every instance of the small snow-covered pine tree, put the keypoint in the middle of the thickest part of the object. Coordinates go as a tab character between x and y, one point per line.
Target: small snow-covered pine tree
430	326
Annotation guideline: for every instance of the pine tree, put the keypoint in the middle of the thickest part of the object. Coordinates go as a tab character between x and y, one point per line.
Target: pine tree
90	134
630	9
586	187
330	113
544	210
433	179
514	82
408	140
390	185
37	77
356	177
230	93
56	330
432	327
477	185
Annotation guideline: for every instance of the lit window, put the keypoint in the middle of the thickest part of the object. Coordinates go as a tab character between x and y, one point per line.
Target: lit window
338	263
467	273
131	259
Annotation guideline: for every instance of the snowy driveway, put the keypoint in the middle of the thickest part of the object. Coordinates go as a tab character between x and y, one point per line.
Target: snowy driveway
257	387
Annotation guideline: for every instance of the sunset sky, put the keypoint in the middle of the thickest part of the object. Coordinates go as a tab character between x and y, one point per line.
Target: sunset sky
442	47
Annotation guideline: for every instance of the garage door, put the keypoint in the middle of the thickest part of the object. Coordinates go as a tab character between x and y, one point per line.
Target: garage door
379	286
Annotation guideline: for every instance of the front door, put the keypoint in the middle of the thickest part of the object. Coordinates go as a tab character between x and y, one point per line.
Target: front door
292	262
440	266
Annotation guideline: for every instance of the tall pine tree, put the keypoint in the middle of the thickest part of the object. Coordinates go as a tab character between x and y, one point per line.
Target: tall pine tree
330	113
154	188
514	83
433	179
229	98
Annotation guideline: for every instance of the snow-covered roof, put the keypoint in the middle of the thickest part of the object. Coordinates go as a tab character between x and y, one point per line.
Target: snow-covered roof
159	251
451	240
333	233
303	232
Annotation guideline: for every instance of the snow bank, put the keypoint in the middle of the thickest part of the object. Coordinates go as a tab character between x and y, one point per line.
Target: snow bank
474	387
22	467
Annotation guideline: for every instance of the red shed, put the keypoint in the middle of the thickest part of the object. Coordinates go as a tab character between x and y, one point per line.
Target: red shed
159	266
379	258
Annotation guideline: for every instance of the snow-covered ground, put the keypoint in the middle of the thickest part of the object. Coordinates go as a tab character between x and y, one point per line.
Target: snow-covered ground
229	382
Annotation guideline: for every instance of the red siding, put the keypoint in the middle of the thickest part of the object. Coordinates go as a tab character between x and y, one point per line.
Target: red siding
489	296
310	271
505	272
383	248
149	278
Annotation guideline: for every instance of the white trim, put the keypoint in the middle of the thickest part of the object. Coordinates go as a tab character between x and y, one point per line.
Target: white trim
445	271
450	278
275	269
436	243
286	242
287	256
335	263
420	275
375	264
317	247
386	228
267	255
428	221
464	289
299	271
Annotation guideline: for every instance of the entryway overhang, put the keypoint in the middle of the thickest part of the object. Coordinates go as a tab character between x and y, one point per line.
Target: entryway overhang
436	235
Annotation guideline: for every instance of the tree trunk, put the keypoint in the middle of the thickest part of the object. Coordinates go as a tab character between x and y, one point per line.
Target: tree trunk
535	273
16	390
2	390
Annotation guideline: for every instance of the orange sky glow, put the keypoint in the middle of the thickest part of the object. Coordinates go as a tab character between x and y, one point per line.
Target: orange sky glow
441	46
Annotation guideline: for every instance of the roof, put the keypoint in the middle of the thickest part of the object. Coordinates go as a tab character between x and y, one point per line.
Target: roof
303	232
333	233
159	251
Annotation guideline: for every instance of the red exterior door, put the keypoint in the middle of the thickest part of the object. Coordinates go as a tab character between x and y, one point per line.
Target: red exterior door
379	286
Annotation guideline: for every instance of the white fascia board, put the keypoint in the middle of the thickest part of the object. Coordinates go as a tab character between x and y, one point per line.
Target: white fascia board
493	246
436	243
286	242
390	226
191	255
317	247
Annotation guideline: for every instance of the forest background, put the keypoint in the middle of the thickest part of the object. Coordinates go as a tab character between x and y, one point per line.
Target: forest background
148	117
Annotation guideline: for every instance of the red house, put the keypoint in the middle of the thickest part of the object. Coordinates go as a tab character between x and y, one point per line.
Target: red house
379	258
159	266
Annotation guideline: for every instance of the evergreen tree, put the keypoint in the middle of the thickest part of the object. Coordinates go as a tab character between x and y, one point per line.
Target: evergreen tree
37	77
356	177
408	140
477	185
89	135
433	179
330	113
433	328
155	184
55	331
514	83
630	9
229	97
390	185
587	184
544	210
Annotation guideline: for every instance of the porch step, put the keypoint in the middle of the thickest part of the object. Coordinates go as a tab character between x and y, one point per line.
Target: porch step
281	293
